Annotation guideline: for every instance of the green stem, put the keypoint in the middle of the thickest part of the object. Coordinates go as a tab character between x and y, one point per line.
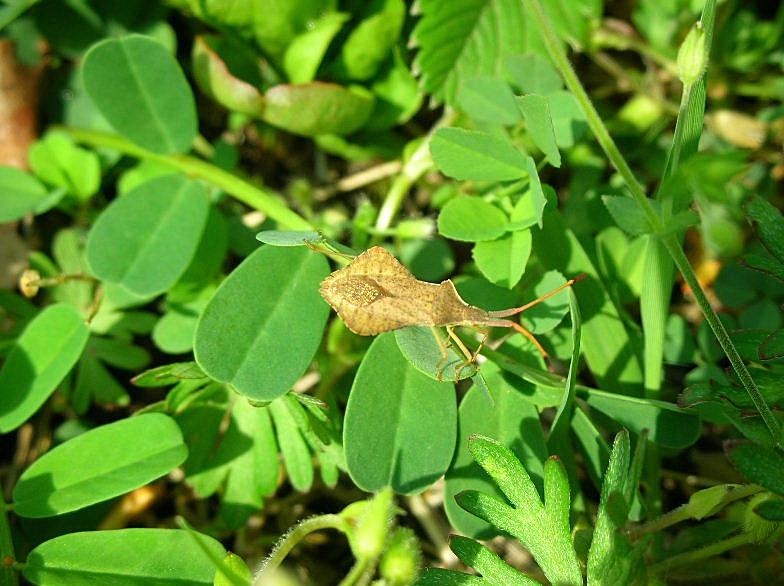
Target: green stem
635	189
683	513
292	538
416	166
356	573
8	573
697	555
255	196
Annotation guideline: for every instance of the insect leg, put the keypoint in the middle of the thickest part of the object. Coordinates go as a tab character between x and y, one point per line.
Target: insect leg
444	348
470	357
507	323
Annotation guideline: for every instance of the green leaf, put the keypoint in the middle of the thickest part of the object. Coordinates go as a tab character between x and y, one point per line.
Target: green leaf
768	223
318	107
124	557
533	74
461	40
627	214
568	118
471	219
771	509
536	111
669	425
145	239
513	420
546	315
759	464
39	360
296	455
228	73
233	572
249	448
100	464
610	559
288	237
400	425
419	346
141	90
59	162
442	577
267	303
528	521
23	194
490	100
529	208
503	261
173	333
466	154
487	563
305	53
372	40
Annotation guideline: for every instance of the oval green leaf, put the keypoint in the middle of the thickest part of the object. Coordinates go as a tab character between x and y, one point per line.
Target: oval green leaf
215	76
471	219
419	346
536	110
140	89
317	108
400	425
489	99
502	261
262	327
100	464
145	239
511	419
39	360
467	154
289	237
22	194
125	557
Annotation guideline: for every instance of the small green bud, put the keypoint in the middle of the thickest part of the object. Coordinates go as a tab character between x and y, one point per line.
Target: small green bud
402	559
692	56
369	521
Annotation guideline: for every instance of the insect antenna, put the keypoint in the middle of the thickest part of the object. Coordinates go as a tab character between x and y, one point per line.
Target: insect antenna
522	308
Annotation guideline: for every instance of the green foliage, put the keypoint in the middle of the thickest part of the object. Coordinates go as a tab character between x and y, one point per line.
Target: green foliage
400	424
141	90
145	240
40	358
23	194
167	365
124	557
270	297
100	464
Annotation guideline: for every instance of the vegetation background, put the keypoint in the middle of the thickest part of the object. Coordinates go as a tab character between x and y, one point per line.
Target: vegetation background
176	398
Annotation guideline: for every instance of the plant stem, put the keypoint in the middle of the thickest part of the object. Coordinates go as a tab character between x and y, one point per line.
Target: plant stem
8	573
292	538
635	189
255	196
683	512
416	166
702	553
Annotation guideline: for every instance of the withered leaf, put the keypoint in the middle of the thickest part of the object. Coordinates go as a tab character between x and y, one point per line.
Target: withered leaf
375	294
